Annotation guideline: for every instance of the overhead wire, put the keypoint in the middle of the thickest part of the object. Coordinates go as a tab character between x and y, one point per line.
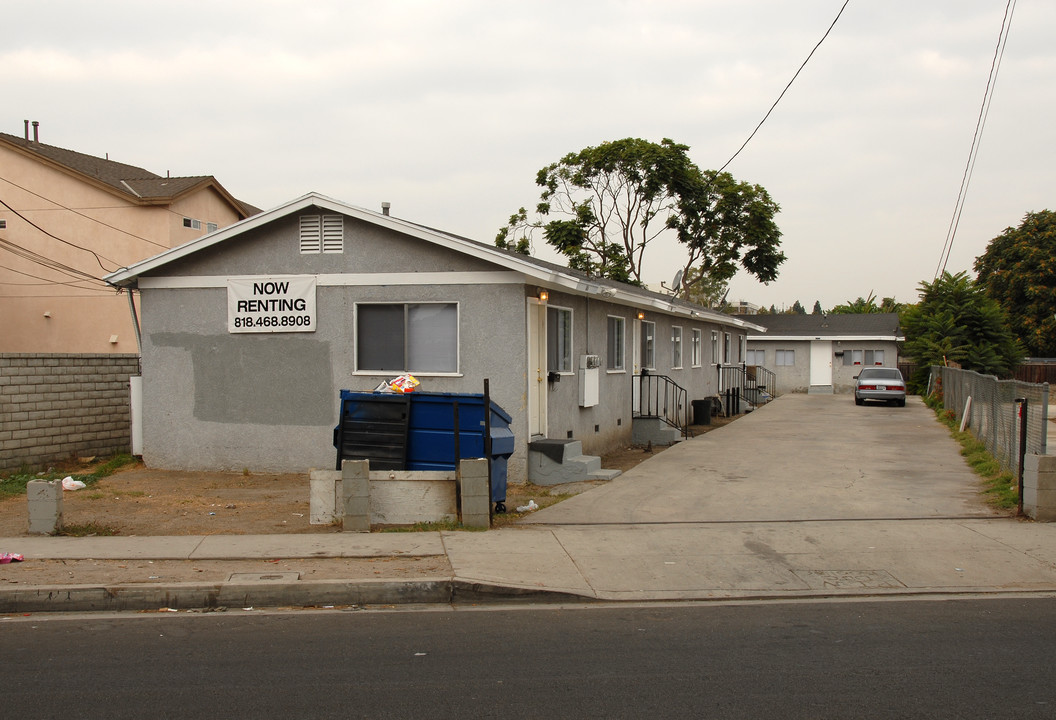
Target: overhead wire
980	123
779	97
43	261
89	217
98	258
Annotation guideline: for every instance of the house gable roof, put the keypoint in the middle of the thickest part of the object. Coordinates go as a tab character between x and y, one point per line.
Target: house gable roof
545	274
879	326
134	184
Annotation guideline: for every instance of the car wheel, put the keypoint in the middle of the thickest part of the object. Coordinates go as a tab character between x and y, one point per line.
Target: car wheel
858	400
902	403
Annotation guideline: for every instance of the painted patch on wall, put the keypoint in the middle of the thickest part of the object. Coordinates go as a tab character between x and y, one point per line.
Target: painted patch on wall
259	380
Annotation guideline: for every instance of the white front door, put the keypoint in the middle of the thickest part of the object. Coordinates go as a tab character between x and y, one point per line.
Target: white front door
536	368
821	365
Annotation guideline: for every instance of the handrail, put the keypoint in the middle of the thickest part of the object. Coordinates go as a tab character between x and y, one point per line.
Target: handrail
755	384
661	397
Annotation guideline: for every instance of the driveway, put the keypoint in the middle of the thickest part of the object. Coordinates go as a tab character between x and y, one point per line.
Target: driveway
800	458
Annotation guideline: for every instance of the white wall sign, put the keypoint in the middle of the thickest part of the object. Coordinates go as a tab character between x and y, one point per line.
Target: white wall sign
283	303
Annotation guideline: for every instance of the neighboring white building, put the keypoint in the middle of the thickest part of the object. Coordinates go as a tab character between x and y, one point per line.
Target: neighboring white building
823	353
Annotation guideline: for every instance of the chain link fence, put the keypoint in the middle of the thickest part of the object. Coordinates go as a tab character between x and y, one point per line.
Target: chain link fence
993	410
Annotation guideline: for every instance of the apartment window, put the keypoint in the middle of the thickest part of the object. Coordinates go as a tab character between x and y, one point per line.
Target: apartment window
874	357
559	340
192	223
393	337
676	347
615	343
726	348
714	348
742	348
784	357
852	357
755	357
322	234
695	348
648	344
210	227
3	224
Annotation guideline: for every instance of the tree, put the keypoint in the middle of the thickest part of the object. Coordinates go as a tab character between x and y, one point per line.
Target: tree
702	289
817	308
956	320
867	305
603	206
1018	270
797	309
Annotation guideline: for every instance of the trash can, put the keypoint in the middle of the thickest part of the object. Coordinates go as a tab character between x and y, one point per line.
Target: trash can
373	426
431	436
416	431
702	412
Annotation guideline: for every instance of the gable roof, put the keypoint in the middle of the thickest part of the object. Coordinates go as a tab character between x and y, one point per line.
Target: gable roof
545	274
134	184
876	326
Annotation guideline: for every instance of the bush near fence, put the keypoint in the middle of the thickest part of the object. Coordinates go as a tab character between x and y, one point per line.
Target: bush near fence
993	414
57	406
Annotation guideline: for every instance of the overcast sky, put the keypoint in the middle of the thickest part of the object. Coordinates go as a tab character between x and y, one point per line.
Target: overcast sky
448	109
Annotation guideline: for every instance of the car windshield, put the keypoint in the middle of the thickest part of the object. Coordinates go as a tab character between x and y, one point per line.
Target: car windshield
880	374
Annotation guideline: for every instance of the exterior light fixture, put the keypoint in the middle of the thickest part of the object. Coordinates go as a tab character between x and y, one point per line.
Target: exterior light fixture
641	315
543	296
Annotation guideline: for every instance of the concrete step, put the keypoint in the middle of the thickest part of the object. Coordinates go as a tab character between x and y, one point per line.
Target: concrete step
556	462
645	431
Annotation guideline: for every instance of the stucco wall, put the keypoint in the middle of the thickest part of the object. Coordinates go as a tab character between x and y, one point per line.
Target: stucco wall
796	378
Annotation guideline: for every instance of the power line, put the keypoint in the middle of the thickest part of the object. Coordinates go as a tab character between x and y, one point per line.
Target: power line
980	123
46	281
831	26
66	242
55	265
89	217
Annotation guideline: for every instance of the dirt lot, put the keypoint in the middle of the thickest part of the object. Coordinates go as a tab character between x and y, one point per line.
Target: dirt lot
142	501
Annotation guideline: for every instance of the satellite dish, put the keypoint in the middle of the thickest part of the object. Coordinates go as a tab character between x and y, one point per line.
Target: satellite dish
676	282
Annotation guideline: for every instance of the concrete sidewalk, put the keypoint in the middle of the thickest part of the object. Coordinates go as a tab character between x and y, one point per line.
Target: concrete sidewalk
805	498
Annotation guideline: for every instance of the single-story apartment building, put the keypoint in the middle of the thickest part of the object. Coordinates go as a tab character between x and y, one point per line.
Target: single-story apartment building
250	332
823	353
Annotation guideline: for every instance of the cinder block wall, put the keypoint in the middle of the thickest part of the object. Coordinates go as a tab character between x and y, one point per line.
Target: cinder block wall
56	406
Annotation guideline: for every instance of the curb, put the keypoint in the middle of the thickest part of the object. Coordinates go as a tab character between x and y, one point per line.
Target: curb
212	596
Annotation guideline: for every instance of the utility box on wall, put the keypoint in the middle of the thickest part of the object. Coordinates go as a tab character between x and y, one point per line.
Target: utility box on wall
589	380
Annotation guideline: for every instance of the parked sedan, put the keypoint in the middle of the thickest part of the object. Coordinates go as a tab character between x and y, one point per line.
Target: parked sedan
880	383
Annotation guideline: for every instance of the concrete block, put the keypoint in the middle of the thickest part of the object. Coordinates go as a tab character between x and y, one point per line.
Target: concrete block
324	497
355	496
1039	487
473	484
45	506
405	497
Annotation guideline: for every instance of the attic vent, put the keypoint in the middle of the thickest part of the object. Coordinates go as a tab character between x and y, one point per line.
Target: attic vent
322	233
333	234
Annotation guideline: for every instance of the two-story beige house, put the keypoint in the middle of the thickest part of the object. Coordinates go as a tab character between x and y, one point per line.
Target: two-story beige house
67	219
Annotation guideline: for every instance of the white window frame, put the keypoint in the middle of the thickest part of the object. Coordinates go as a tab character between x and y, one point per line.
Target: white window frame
648	345
192	223
416	371
617	364
726	342
714	347
695	348
782	357
211	227
564	364
750	356
676	347
871	358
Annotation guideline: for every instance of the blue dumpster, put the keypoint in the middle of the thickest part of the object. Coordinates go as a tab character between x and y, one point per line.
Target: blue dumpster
373	425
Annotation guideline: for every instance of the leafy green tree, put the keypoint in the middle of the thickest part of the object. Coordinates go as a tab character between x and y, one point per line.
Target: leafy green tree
773	310
956	320
1018	270
798	309
603	206
867	305
702	289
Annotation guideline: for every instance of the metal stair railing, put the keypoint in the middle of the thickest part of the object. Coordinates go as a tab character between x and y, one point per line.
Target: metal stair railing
658	396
